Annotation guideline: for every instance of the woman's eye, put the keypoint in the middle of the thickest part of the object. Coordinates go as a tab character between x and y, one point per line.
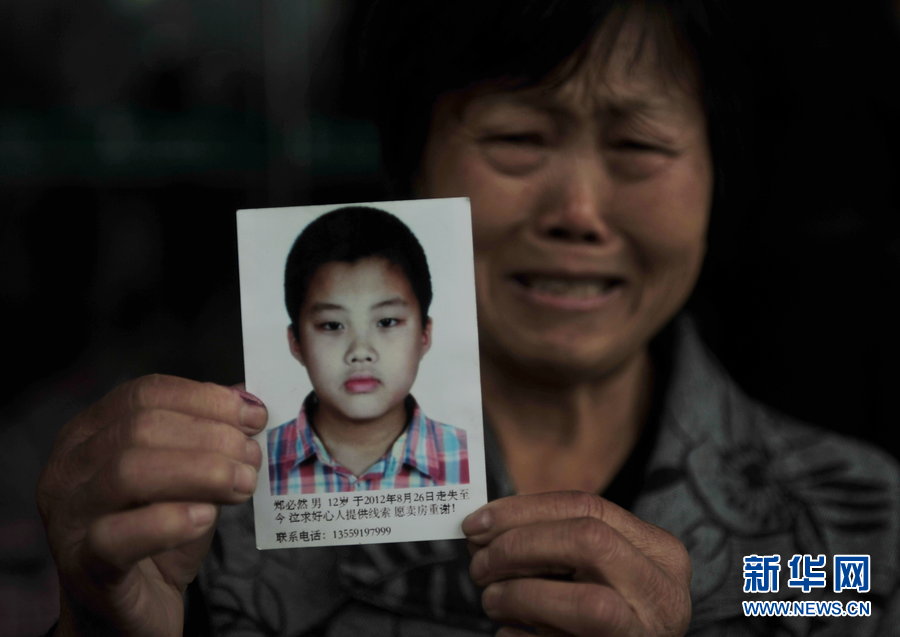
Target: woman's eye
518	139
516	153
642	143
388	322
638	145
635	158
330	326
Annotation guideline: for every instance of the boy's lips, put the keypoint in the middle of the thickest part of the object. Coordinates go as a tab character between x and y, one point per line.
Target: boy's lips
361	384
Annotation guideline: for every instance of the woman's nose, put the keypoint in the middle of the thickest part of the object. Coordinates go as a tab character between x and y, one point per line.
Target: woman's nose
576	202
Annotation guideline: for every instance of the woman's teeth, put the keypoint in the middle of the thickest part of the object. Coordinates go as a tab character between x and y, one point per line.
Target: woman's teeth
577	288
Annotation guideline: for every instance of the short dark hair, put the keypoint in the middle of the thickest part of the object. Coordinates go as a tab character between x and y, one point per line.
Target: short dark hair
415	51
348	235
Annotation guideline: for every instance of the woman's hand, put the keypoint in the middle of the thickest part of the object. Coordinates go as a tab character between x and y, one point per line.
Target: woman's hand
130	495
575	564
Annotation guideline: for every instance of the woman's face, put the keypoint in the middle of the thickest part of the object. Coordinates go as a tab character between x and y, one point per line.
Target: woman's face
590	203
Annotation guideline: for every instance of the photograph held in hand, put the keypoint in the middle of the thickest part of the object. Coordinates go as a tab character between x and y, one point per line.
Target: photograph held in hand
365	310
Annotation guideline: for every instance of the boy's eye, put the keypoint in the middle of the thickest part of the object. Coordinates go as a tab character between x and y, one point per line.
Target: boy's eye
330	326
388	322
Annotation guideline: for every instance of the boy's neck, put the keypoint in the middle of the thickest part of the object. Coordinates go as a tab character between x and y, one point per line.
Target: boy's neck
357	445
571	436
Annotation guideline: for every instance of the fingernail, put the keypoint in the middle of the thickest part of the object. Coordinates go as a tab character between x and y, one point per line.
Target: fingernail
249	398
252	453
477	522
244	479
253	412
490	598
201	514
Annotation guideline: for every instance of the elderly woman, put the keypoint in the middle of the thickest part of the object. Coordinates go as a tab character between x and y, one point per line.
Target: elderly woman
621	457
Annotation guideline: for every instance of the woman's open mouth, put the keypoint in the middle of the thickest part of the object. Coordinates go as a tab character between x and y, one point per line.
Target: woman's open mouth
568	292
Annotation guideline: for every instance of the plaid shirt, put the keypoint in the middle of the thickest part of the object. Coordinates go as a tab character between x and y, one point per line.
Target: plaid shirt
426	454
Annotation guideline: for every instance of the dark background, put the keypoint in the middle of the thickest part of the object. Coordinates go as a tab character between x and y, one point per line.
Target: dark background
131	130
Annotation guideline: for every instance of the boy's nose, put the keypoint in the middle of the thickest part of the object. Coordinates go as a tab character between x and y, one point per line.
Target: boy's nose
361	351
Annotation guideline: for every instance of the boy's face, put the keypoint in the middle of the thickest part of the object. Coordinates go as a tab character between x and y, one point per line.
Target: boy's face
360	338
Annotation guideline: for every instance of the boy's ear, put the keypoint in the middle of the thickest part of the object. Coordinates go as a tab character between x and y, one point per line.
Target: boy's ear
294	345
426	336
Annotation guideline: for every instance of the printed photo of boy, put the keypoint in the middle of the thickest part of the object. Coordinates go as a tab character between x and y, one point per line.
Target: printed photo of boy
357	288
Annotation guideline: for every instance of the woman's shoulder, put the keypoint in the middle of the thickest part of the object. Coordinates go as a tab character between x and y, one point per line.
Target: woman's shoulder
732	477
706	408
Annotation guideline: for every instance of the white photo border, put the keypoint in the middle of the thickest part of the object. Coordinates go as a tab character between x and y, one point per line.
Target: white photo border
447	386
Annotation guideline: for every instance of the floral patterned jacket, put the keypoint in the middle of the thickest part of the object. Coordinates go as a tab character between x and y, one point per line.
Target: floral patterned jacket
724	474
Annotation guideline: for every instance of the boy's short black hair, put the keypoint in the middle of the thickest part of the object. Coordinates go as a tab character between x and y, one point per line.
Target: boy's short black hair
347	235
